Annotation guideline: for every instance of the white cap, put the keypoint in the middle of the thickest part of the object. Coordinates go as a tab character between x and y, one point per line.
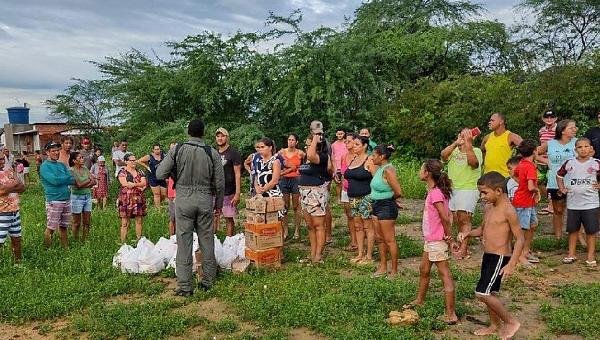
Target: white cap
101	159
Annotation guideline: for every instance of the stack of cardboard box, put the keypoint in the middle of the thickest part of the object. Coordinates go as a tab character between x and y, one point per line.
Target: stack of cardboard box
263	231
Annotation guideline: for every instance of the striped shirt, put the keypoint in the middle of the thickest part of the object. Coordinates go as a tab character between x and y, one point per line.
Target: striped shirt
547	134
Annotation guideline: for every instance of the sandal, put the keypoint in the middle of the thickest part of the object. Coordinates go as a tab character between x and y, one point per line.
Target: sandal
378	275
569	260
591	264
410	305
533	259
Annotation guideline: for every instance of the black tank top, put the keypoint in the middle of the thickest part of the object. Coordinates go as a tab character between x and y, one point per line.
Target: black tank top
359	181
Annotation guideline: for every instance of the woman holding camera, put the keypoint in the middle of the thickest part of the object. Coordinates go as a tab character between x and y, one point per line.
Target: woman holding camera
313	190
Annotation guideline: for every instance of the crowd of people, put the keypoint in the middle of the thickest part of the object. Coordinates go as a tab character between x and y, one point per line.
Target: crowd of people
203	186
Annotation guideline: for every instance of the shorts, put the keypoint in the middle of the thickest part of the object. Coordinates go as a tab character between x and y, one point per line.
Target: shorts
527	217
314	199
153	182
490	278
58	214
589	219
555	195
344	197
81	203
361	207
289	185
10	224
171	209
437	251
464	200
385	209
229	210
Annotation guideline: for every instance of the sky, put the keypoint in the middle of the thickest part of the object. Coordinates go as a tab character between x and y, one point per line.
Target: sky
46	43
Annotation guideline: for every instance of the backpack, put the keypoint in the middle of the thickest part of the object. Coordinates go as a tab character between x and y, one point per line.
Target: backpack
206	148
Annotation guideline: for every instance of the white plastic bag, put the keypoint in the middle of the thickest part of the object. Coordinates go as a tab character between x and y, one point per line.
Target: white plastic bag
227	257
241	249
130	262
150	260
166	248
118	258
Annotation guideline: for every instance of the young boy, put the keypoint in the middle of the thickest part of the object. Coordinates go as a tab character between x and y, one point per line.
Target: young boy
526	197
500	225
581	188
512	182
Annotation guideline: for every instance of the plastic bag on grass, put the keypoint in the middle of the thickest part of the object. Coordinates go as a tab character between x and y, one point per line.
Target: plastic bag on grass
150	260
118	258
166	248
130	262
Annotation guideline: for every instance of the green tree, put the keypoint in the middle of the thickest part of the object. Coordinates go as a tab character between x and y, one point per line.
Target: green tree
85	105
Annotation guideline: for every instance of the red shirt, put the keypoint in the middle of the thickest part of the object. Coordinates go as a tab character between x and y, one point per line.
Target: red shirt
525	171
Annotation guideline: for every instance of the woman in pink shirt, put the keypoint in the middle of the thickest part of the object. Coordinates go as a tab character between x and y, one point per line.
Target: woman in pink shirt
344	199
436	234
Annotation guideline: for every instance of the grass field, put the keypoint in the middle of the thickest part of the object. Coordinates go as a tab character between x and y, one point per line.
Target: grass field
76	292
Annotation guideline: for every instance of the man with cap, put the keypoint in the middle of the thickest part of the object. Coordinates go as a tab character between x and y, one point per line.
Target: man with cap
232	168
199	182
87	152
10	219
56	178
546	133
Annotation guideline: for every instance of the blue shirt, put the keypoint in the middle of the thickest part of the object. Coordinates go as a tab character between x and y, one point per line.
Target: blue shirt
56	178
558	154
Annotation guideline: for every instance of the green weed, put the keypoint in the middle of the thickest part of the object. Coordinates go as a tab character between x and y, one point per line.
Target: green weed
577	311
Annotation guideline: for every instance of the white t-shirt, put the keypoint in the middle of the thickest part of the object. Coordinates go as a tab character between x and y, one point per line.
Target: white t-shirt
118	155
579	177
511	187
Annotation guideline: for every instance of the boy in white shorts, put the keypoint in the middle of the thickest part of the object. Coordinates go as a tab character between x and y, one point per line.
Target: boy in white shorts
464	169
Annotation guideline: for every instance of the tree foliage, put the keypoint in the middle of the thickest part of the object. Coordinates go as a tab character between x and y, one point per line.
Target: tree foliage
409	69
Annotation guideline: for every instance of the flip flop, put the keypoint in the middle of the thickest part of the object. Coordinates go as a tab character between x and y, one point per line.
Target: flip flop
569	260
591	264
378	275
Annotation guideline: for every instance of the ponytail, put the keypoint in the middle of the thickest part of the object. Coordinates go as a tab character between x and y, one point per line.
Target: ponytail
442	181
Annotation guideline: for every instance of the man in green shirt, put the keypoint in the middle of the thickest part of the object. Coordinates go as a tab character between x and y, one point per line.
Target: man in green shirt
464	169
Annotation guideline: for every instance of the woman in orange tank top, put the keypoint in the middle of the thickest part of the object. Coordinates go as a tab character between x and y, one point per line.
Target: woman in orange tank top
288	183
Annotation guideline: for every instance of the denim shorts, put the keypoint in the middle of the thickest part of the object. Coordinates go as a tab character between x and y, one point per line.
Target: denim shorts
289	185
81	203
385	209
527	217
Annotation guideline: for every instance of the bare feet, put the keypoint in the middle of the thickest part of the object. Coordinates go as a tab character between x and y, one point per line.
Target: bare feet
509	330
486	331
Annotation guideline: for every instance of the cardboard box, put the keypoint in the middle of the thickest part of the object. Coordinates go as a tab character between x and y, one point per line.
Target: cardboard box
257	218
264	229
263	242
268	257
275	204
256	204
259	204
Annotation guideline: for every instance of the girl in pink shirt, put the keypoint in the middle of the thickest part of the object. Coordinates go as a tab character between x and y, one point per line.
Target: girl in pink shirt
436	234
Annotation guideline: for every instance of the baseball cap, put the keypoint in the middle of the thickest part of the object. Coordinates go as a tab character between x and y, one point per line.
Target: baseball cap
316	127
101	159
549	114
85	141
222	131
51	145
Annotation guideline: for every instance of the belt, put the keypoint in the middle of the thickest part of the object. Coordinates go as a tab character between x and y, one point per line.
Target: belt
9	213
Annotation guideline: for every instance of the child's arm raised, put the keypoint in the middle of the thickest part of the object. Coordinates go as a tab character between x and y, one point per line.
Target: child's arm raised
515	228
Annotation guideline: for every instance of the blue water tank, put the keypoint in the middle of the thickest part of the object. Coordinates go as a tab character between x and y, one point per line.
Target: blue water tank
18	115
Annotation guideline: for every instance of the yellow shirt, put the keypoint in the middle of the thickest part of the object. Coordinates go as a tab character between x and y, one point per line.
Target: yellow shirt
497	153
